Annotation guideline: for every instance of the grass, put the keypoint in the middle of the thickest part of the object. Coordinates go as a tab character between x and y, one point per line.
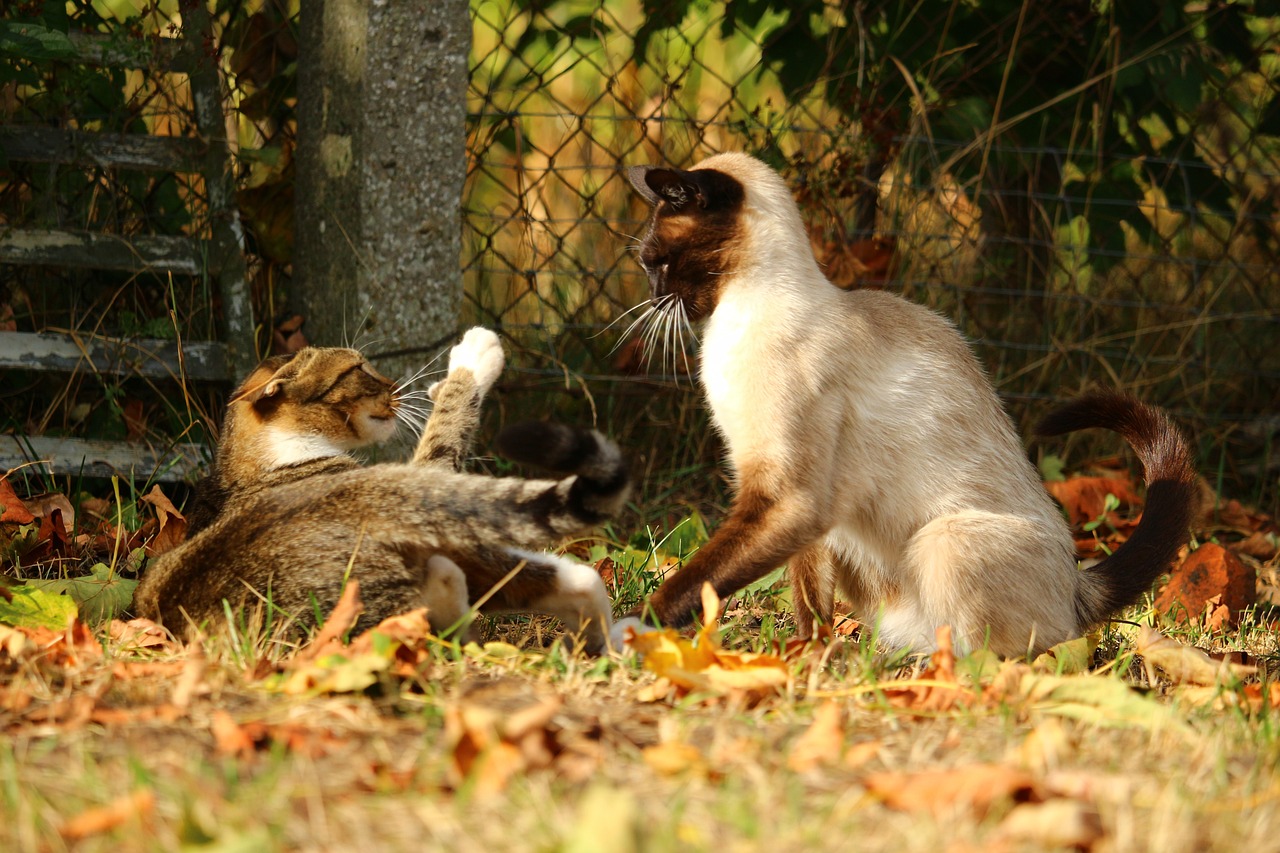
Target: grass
607	766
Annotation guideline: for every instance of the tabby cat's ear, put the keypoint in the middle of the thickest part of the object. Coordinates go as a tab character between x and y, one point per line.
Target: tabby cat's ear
266	381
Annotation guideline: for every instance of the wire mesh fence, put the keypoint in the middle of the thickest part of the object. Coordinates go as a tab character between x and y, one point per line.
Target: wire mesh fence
1140	256
1087	189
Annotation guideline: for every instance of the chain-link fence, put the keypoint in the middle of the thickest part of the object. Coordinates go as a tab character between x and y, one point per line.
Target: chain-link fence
1106	218
1086	188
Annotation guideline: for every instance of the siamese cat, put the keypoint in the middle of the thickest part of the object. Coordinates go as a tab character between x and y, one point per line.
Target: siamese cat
868	449
288	515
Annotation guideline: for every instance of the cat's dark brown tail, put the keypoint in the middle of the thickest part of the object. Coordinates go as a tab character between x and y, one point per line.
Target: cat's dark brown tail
1172	498
602	484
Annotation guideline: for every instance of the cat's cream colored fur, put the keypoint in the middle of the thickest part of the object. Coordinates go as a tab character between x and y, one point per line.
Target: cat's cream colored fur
868	448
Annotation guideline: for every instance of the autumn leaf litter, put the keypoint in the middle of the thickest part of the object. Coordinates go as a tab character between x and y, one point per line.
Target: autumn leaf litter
724	731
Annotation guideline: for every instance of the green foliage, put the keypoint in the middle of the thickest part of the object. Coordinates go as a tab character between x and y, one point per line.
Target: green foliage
101	595
30	606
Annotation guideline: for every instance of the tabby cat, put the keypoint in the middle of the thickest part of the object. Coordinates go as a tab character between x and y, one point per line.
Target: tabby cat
868	448
288	515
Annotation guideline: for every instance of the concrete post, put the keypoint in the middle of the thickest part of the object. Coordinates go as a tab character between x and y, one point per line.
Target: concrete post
381	163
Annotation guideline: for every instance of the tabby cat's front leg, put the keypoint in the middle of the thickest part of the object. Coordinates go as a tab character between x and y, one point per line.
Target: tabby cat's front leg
474	365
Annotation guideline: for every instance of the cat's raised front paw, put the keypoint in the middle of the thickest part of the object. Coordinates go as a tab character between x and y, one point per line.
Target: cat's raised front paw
479	351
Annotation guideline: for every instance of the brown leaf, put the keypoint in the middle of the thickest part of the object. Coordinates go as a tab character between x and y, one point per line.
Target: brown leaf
53	535
173	525
976	787
410	630
1261	545
822	743
139	634
42	506
191	681
1208	572
135	419
132	807
498	730
672	758
937	689
287	337
14	509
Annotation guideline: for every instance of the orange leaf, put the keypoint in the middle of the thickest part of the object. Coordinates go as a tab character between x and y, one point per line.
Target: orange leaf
822	742
229	737
138	805
14	509
329	638
976	787
937	689
1084	498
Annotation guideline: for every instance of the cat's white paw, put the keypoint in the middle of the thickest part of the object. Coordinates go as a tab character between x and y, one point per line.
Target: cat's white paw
624	629
479	351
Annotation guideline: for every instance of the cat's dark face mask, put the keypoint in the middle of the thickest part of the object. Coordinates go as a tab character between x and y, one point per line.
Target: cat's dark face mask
693	232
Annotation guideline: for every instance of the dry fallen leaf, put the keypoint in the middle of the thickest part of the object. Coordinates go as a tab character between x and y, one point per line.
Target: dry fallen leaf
12	508
139	634
822	743
136	806
42	506
703	665
228	736
671	758
172	525
937	689
328	640
498	730
1054	824
1185	664
976	787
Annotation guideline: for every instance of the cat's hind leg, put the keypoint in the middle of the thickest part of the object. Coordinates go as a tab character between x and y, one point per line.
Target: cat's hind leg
813	589
445	594
996	579
557	586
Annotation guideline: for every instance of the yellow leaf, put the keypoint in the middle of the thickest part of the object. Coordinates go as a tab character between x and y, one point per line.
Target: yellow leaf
1186	664
673	757
703	665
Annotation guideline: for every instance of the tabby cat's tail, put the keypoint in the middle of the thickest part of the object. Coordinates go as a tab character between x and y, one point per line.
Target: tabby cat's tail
602	484
1172	498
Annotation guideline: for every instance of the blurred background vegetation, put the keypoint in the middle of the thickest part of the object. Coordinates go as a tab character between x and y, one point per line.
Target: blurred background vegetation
1087	188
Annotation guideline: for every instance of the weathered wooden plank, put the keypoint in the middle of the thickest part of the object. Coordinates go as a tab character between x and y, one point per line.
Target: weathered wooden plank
89	250
35	144
203	360
78	456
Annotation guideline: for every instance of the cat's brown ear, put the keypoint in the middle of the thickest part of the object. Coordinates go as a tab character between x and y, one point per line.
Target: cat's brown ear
707	188
266	381
670	185
636	175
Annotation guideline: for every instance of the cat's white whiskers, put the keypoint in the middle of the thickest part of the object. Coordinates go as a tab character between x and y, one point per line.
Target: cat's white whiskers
417	375
648	303
642	321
